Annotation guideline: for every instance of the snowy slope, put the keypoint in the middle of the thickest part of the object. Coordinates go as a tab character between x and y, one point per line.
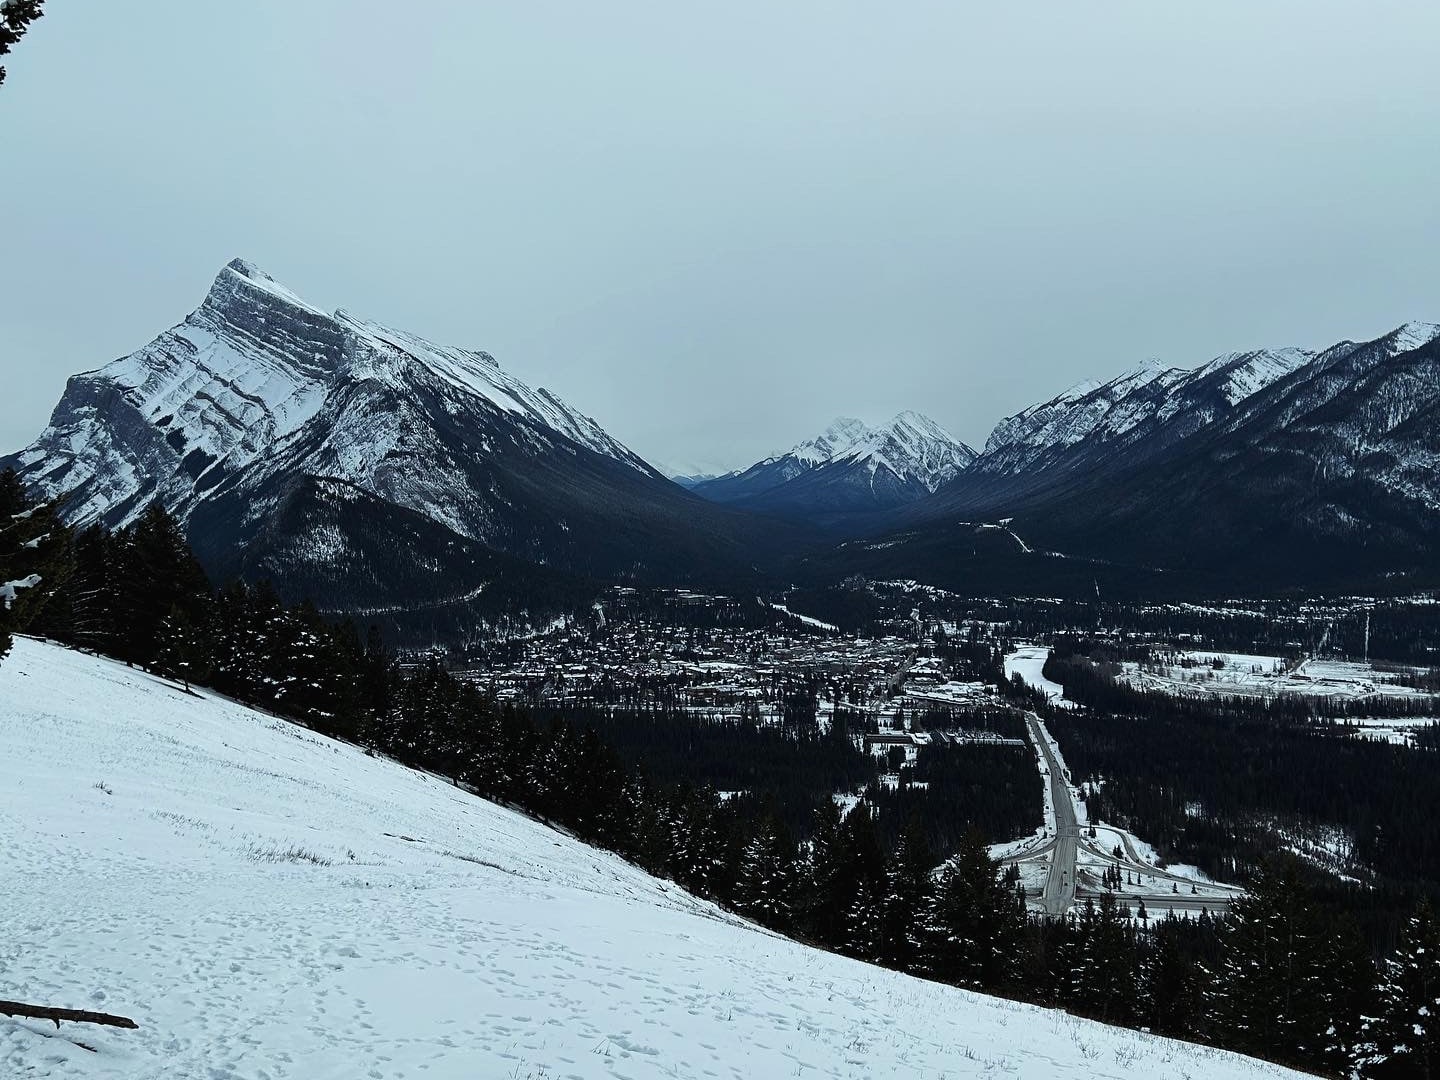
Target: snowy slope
266	903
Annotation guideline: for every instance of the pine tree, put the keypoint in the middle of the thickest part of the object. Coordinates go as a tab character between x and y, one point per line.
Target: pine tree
907	884
1104	975
864	928
820	897
157	573
1287	984
1403	1038
35	557
763	887
82	611
185	649
15	18
1171	999
971	932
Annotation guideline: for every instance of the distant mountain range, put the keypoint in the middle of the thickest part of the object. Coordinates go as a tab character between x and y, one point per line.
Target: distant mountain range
849	468
420	485
1258	471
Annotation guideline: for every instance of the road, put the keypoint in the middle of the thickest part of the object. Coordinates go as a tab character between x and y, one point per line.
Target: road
1168	892
1059	891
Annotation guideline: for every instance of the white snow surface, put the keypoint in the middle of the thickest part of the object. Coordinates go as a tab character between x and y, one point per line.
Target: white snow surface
268	903
1028	661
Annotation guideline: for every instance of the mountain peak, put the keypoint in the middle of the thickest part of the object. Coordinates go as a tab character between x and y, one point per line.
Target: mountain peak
242	288
843	435
245	268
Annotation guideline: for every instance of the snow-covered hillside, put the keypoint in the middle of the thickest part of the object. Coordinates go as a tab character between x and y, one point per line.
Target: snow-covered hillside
267	903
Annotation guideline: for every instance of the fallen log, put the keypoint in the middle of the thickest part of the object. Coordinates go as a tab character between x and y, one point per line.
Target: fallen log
76	1016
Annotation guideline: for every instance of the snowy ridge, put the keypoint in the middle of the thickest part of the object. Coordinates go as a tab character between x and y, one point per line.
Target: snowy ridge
843	437
1069	417
265	902
911	447
1091	414
479	373
849	466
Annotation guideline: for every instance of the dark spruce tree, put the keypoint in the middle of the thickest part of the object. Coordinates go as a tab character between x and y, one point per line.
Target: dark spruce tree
1289	984
157	574
1402	1038
765	884
35	558
907	883
819	896
972	929
15	18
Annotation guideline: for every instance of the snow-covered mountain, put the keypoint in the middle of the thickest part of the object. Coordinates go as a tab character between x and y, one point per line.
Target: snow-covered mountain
1145	409
243	376
276	430
849	467
1258	470
267	902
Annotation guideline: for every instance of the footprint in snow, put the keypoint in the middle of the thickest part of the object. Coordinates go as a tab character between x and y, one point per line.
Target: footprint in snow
633	1047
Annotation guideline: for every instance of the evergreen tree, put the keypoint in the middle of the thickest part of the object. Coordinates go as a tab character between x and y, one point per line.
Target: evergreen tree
907	884
157	574
1286	986
82	611
185	651
864	925
820	895
1105	977
35	558
763	888
15	18
971	932
1403	1038
1171	993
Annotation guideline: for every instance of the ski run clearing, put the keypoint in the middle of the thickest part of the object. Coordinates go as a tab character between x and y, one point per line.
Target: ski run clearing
267	903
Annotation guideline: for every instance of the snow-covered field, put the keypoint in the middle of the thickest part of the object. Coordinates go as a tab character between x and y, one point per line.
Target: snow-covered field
1266	676
1028	661
267	903
1398	731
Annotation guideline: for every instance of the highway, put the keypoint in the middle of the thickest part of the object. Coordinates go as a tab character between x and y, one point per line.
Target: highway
1171	892
1059	891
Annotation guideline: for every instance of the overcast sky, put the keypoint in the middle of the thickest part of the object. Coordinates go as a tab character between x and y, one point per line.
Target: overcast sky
716	226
